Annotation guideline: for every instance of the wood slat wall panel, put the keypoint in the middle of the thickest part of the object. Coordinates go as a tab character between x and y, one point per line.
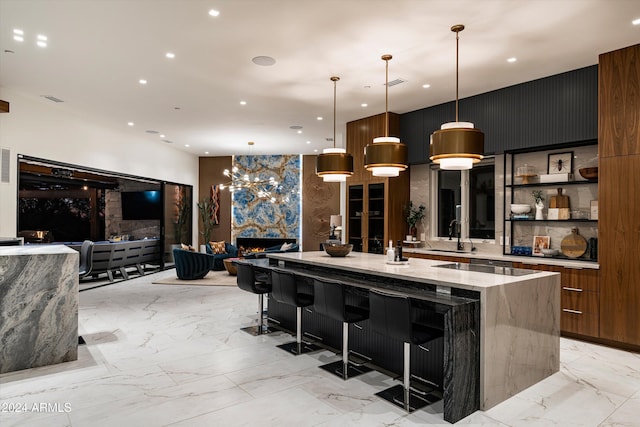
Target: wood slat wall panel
619	102
552	110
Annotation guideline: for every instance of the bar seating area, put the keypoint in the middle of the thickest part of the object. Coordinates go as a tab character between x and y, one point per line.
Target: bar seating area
388	318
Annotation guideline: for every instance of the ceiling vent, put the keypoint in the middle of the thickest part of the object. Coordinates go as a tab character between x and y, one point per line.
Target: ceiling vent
52	98
395	82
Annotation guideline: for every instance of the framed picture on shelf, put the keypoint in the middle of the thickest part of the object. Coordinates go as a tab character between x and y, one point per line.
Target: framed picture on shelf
560	163
540	243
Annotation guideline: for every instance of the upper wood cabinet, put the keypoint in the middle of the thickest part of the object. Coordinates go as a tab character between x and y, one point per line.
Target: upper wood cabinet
619	102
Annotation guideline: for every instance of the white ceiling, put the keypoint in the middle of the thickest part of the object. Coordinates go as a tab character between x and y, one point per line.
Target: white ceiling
99	49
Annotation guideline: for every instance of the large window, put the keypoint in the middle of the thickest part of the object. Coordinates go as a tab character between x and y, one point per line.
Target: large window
467	196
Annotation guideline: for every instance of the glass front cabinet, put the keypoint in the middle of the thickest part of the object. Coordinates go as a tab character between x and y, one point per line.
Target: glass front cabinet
366	213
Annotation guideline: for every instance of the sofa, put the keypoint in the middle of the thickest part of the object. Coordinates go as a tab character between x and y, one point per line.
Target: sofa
231	252
294	247
113	257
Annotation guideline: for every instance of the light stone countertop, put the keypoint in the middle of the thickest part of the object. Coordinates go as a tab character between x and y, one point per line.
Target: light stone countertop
45	249
417	270
561	262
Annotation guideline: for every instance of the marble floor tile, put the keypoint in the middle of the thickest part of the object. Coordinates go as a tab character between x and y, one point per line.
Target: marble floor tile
160	355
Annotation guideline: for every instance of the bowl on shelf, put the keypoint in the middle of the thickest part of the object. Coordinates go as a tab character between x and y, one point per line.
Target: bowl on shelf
589	173
550	252
520	208
337	249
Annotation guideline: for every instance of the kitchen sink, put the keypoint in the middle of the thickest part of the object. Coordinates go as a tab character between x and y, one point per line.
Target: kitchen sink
482	268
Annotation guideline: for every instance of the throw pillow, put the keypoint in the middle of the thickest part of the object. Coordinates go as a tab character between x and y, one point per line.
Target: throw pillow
218	247
286	246
187	247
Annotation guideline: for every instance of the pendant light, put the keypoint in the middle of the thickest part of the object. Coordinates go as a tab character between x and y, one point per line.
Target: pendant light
334	164
387	156
457	145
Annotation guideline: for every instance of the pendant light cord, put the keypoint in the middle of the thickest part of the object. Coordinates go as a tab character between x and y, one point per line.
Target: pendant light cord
457	39
335	79
386	59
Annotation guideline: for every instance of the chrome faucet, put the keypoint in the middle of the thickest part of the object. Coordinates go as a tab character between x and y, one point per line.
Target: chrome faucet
460	245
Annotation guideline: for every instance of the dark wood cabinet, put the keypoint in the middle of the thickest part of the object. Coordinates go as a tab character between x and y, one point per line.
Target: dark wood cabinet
375	206
619	185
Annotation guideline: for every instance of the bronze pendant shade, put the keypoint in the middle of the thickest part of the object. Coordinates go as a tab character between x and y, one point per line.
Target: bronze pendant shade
334	164
387	156
457	145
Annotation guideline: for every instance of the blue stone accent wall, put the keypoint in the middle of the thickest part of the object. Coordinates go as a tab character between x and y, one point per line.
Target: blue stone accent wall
256	217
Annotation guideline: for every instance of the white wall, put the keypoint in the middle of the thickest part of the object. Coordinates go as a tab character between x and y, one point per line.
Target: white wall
37	127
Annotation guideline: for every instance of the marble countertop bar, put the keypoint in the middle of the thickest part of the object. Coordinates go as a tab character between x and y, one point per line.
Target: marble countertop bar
519	315
38	306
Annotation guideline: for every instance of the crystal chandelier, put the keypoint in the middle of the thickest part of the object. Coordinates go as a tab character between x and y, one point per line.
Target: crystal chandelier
263	188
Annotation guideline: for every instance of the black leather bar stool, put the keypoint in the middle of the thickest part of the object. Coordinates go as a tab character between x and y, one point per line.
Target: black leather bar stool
246	279
329	300
285	290
390	315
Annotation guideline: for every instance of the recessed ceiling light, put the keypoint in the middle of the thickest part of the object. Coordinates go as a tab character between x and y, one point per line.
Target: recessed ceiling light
315	151
299	131
214	12
18	38
319	118
636	21
41	43
162	135
512	59
206	152
265	61
130	124
308	142
170	55
41	37
18	32
186	145
426	86
142	81
364	105
243	102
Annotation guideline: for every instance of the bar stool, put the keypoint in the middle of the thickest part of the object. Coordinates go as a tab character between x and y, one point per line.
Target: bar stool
329	300
391	315
246	280
285	290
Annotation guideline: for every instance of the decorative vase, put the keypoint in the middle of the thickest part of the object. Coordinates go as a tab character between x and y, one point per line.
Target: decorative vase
413	231
539	207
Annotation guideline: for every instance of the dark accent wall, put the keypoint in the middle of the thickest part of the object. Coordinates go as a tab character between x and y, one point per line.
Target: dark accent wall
552	110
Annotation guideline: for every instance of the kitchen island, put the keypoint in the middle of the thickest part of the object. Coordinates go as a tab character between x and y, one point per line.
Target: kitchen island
38	306
518	331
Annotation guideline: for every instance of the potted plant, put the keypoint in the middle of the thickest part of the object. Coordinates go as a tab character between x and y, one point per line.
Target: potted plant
205	207
182	218
413	216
